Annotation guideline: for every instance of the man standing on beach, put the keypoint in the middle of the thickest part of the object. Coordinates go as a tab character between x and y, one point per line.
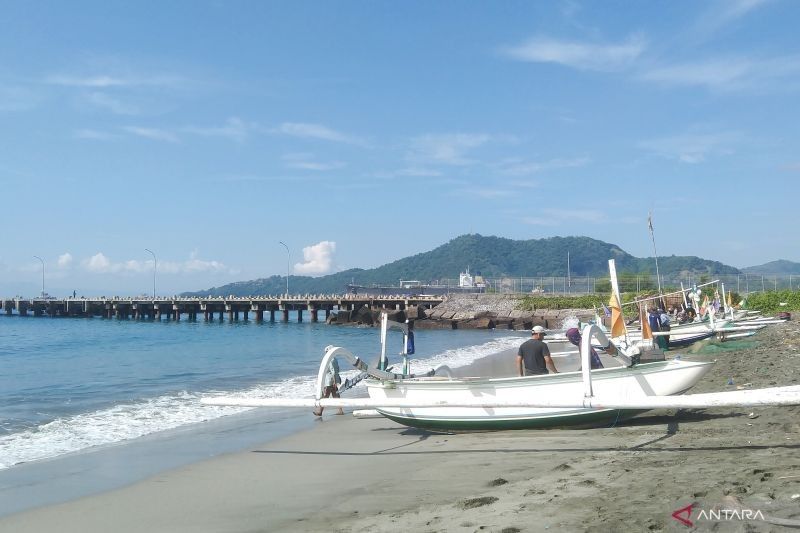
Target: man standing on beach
533	356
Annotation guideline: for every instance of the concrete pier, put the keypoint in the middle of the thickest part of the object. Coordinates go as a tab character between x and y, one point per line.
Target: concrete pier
169	309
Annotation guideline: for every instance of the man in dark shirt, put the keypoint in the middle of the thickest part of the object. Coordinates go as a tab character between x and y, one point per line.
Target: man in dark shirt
533	356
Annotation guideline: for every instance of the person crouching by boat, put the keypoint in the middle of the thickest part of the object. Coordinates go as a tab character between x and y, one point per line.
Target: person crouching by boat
533	356
332	382
574	336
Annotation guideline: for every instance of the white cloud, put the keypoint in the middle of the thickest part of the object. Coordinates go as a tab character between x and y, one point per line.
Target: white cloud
153	133
579	55
722	13
109	103
317	131
17	99
104	81
101	264
557	217
729	74
317	259
93	135
305	161
693	147
65	260
234	129
520	167
448	149
98	263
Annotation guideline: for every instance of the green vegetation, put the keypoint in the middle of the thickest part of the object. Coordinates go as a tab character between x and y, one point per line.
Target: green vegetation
769	302
588	301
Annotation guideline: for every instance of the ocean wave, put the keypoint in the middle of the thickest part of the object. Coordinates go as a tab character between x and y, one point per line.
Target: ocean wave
132	420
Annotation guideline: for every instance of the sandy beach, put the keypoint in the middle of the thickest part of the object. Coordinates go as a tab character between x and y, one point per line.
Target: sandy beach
350	474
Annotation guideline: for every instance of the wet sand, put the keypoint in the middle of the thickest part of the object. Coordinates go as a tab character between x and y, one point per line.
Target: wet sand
373	475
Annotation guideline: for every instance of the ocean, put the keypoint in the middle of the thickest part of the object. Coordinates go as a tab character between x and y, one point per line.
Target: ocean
75	386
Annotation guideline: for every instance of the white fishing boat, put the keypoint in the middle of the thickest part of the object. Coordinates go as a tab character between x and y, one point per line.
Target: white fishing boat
437	400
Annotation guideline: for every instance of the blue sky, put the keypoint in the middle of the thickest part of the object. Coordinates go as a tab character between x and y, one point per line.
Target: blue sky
359	133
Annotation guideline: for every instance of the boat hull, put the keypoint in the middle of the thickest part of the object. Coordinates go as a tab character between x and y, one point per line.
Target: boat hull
664	378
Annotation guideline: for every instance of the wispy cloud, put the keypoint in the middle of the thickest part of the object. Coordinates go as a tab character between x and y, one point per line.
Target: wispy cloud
733	73
693	147
101	264
109	103
93	135
447	149
153	134
723	13
557	217
317	259
306	161
317	131
521	167
104	81
234	129
484	192
579	55
264	178
13	98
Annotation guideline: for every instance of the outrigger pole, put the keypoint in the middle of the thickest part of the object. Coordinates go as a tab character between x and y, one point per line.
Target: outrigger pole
773	396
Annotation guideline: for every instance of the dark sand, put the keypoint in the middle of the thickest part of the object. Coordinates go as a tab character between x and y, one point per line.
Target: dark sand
373	475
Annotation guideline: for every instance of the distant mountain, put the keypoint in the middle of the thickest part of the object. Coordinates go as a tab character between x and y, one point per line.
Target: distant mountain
779	267
491	256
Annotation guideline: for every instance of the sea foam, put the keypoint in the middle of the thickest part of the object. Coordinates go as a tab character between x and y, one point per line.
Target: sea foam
131	420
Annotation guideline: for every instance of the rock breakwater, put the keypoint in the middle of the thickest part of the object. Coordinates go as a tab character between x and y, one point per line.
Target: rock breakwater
469	311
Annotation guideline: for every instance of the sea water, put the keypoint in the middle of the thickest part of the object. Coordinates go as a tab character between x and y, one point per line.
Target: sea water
71	385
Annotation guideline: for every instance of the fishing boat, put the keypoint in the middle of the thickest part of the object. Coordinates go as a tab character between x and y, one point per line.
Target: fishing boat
437	400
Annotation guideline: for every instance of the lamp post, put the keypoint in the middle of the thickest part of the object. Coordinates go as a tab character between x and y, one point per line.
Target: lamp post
42	260
155	267
287	266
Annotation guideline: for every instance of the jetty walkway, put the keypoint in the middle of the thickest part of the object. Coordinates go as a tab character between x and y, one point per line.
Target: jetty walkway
235	307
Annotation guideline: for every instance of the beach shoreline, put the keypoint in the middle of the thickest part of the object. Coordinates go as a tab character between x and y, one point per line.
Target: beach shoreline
350	474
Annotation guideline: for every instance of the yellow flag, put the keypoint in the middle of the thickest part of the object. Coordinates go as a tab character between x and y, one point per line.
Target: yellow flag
647	333
617	322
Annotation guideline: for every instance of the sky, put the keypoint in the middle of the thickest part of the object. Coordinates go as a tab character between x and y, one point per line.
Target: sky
359	133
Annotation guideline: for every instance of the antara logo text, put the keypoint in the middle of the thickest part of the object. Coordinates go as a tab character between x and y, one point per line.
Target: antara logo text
684	515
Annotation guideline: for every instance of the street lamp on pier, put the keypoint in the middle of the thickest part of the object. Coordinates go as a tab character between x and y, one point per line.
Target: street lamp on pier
287	266
155	267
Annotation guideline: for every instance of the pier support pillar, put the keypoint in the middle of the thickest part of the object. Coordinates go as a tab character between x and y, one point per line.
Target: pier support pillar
245	315
314	316
272	315
177	314
299	315
259	316
285	313
230	316
37	311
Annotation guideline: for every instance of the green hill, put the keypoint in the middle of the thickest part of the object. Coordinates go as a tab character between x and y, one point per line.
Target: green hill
781	267
491	256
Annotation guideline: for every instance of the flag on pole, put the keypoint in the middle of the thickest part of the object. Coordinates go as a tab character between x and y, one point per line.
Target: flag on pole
617	322
704	306
606	311
647	333
650	221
